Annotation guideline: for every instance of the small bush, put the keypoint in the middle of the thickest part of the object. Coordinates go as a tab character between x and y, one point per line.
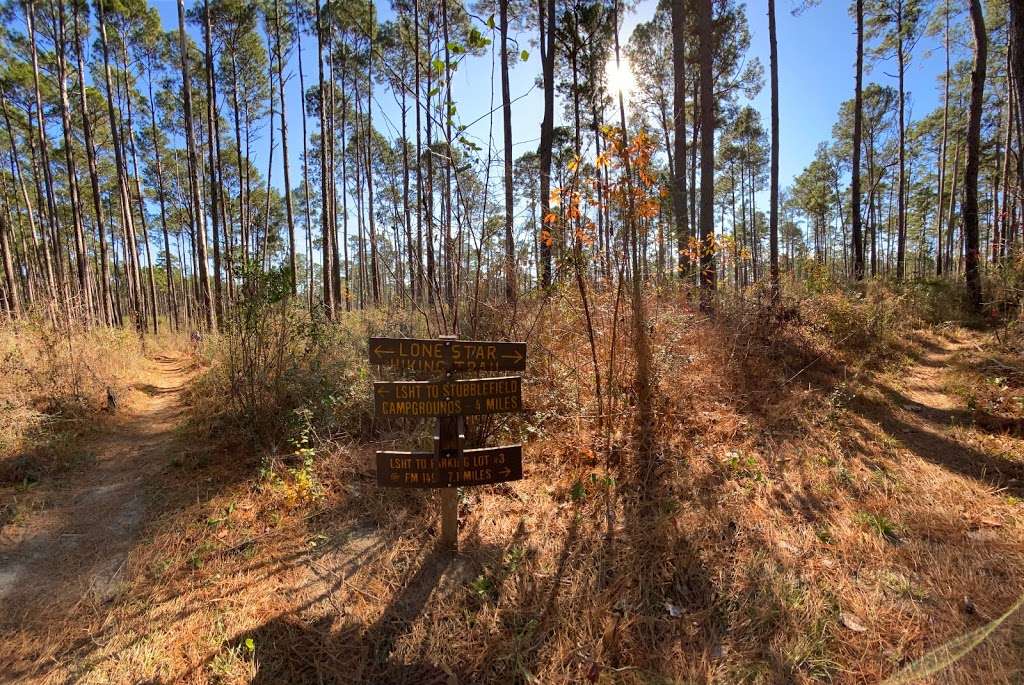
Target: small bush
276	361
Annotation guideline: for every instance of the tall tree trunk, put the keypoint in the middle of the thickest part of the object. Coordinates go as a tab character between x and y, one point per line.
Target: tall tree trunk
243	204
450	263
124	193
972	271
284	150
81	256
939	215
10	279
901	192
546	20
1002	220
138	190
420	197
773	222
199	214
172	297
331	166
325	180
951	210
679	141
506	119
858	119
374	276
212	160
406	209
707	153
305	170
90	154
60	289
265	250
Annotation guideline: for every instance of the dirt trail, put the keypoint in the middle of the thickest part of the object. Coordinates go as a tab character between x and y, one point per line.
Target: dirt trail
74	549
918	413
922	383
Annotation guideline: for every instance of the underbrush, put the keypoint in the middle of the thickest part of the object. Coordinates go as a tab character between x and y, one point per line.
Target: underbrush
279	373
53	386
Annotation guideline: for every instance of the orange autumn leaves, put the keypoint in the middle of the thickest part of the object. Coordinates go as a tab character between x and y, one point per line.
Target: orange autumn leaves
621	179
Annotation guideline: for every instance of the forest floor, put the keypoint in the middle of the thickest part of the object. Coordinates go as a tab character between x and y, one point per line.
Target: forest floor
158	558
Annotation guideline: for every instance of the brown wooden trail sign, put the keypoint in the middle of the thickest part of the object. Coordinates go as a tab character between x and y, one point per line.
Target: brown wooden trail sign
448	355
450	400
482	466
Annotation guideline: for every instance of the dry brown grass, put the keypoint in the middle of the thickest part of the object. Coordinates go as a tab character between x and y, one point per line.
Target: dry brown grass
796	524
53	390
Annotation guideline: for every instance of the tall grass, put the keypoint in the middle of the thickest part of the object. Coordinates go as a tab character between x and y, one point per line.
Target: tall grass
53	384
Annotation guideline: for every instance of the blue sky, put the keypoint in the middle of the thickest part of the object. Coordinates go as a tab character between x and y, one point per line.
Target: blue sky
816	58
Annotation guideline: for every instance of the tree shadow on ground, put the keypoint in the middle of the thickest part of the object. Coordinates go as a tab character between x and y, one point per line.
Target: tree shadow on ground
294	648
291	649
924	438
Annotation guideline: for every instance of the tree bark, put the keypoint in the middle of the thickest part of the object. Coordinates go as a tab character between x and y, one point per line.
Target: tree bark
212	158
199	214
506	118
939	214
708	273
901	192
679	138
858	122
325	181
284	151
124	193
773	221
972	270
81	256
546	19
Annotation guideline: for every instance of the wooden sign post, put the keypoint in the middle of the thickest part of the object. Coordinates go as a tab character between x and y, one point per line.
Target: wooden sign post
450	465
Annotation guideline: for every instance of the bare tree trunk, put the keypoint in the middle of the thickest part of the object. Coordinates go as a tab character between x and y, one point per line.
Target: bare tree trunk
679	141
939	216
1002	220
60	291
858	119
284	151
199	215
128	224
950	213
707	153
81	256
546	21
901	193
90	153
138	190
213	159
420	285
325	180
972	255
506	118
10	279
305	172
374	276
773	221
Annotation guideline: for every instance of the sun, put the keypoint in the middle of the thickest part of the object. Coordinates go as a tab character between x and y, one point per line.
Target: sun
620	77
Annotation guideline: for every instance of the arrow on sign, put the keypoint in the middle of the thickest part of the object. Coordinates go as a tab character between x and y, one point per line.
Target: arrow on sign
381	350
516	356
